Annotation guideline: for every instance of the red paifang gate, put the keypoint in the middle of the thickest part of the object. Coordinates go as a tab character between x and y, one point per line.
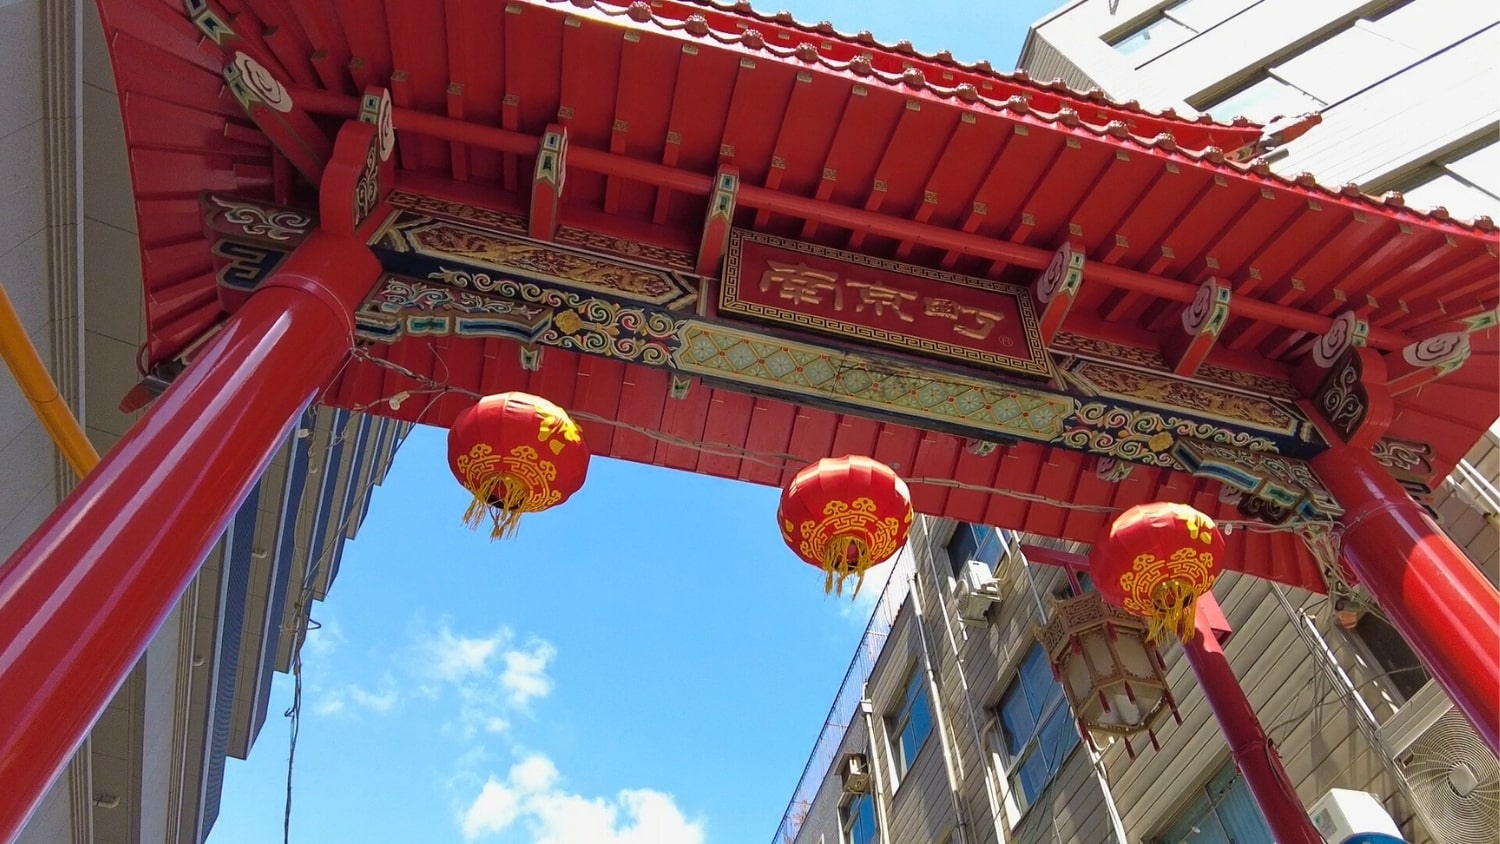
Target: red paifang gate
679	218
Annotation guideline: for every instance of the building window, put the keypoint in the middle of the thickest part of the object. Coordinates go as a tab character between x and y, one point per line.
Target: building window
974	542
1172	25
911	723
1222	812
858	820
1465	181
1334	66
1037	729
1262	99
1403	671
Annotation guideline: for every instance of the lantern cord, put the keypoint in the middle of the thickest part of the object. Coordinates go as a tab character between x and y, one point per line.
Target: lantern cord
781	462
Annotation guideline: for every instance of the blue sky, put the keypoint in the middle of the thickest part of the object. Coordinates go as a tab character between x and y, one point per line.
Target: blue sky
647	664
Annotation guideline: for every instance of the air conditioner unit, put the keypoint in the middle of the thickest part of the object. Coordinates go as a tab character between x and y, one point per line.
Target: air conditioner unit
977	591
1453	777
855	774
1347	817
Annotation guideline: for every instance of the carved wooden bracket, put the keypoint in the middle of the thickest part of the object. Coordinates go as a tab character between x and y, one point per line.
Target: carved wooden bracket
547	181
1056	289
1201	322
719	222
1425	361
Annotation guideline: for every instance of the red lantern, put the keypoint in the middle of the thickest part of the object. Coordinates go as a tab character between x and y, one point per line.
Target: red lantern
516	453
845	515
1156	562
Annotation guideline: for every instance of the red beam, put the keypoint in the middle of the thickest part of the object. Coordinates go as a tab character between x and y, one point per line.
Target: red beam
1254	754
854	219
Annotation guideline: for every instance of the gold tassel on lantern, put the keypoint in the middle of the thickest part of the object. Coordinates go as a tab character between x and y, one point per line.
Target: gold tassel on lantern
504	512
1176	612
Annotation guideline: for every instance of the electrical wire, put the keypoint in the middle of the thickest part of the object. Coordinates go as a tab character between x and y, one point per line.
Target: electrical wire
781	462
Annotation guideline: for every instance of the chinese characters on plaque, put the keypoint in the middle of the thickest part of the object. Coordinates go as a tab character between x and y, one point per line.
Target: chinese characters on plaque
922	310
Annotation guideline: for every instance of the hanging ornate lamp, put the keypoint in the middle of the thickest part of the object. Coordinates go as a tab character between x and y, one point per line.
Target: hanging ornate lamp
1111	672
515	453
844	515
1156	561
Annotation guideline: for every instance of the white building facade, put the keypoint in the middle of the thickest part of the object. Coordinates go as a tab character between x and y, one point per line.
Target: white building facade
949	727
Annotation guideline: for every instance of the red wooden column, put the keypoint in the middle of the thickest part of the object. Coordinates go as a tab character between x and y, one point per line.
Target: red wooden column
82	597
1423	583
1253	753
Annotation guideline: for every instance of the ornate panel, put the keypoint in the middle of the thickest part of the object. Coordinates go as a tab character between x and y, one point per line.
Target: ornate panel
754	359
923	311
1167	393
414	235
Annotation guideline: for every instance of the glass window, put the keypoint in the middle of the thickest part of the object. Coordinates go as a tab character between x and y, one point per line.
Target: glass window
1037	730
1200	15
1426	26
1262	100
1222	812
1151	39
974	542
911	723
1345	64
1404	671
1466	182
859	820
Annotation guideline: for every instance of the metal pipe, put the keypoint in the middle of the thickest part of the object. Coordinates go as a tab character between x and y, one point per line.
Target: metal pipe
41	391
939	721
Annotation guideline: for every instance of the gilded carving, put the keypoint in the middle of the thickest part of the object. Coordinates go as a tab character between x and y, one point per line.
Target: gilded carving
1195	397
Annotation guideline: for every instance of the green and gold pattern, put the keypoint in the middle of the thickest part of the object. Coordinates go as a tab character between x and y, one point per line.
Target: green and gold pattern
747	358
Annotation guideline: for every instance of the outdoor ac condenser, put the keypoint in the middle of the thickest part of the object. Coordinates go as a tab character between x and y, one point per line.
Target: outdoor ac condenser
977	590
1354	816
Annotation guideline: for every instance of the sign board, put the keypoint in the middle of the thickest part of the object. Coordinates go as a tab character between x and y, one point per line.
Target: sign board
915	309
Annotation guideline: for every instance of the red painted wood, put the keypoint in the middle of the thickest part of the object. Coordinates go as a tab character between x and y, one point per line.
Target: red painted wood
81	598
967	505
1254	754
769	434
728	420
936	457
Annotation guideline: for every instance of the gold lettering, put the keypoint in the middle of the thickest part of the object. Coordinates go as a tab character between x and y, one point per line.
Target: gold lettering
878	297
801	284
945	308
985	322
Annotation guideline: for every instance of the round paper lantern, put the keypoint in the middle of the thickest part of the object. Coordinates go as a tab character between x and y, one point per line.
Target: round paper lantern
515	453
844	515
1156	562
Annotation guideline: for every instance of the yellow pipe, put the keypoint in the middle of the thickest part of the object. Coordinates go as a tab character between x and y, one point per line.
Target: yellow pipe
39	388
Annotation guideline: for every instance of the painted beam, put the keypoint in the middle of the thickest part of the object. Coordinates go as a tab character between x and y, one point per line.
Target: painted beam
1424	362
1200	325
547	181
719	222
1056	289
809	208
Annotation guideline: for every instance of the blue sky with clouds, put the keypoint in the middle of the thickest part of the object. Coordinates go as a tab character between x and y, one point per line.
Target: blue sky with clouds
647	664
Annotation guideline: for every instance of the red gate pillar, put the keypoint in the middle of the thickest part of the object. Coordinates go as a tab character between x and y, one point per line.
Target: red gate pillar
1254	755
1423	583
80	600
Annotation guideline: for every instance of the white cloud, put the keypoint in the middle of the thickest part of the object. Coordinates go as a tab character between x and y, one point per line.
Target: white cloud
332	705
525	675
529	794
455	658
858	609
382	701
324	639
